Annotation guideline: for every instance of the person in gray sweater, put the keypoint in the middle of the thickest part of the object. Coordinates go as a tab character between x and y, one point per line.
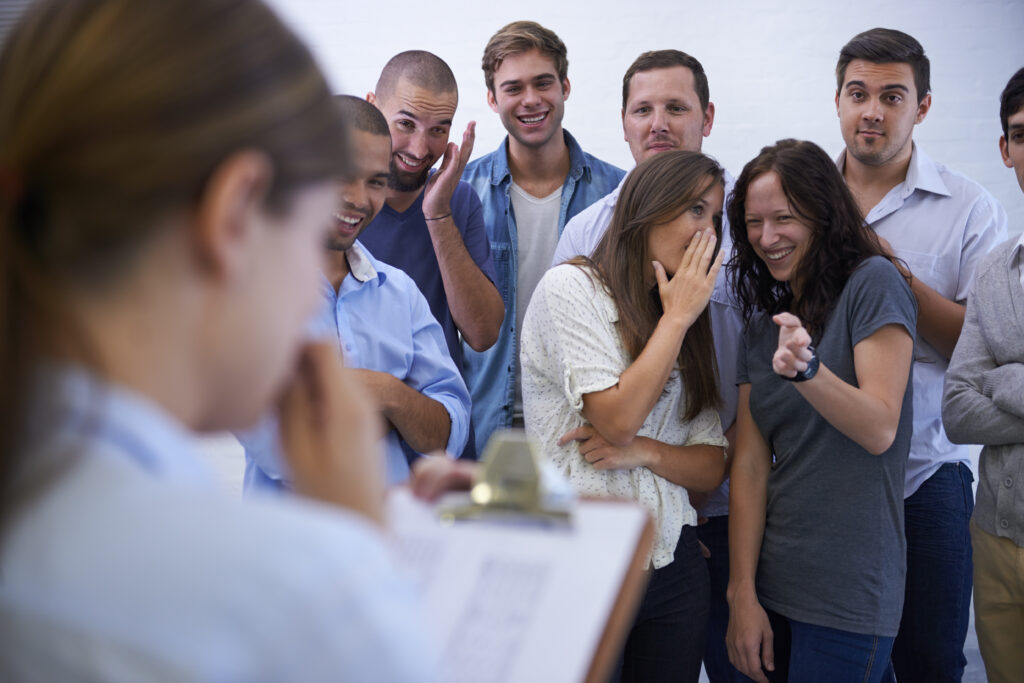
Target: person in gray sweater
983	403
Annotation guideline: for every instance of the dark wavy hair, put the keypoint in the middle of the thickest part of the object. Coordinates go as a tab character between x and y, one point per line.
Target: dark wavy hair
840	239
656	192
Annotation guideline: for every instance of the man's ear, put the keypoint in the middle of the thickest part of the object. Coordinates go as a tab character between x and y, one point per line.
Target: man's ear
1004	151
709	119
492	102
371	97
566	87
223	227
922	108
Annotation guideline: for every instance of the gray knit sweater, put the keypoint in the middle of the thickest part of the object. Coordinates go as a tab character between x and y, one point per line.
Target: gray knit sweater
983	401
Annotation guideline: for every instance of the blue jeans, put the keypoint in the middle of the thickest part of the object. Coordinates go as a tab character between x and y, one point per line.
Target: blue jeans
667	638
805	653
936	610
715	535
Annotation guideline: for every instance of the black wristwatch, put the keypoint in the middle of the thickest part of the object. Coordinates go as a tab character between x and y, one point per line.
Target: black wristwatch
809	372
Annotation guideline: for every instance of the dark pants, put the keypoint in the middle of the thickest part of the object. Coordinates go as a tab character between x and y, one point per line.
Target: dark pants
667	638
805	653
936	610
715	535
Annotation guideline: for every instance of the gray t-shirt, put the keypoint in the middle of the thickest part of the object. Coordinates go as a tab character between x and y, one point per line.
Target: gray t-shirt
834	551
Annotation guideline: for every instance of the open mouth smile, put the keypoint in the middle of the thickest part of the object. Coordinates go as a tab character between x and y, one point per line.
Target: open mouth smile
778	254
533	119
347	223
409	163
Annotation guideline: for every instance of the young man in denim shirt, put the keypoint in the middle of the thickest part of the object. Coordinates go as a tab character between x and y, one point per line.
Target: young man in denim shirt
535	181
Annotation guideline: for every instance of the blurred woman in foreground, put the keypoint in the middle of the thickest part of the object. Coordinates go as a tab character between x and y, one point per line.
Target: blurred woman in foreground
166	182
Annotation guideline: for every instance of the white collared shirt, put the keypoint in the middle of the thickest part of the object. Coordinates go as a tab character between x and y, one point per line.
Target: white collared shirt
940	223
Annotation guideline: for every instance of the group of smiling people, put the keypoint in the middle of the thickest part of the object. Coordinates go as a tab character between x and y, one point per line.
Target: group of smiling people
167	174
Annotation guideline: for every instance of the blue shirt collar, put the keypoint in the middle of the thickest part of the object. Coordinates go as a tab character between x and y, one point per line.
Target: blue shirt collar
579	165
362	267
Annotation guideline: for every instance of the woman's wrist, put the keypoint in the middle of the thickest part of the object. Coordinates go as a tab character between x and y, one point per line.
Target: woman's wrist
740	592
676	322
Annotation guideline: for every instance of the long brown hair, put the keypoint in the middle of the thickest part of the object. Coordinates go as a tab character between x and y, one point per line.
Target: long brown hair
113	115
655	192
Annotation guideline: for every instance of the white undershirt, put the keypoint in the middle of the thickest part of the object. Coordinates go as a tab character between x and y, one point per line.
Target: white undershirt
537	227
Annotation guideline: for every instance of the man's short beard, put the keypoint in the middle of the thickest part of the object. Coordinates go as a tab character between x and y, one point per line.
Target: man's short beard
396	183
334	244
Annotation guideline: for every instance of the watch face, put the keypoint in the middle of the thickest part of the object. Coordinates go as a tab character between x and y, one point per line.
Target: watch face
807	373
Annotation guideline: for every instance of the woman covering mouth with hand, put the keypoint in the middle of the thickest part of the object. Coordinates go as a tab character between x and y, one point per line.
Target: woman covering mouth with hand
617	355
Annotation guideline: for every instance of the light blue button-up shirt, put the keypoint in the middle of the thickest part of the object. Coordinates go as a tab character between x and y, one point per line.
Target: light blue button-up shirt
940	223
491	374
380	321
125	561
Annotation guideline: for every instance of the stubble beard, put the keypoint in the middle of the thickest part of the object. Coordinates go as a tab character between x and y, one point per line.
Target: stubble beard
399	181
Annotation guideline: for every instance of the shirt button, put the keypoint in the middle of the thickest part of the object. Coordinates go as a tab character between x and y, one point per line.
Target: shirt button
1004	524
1008	482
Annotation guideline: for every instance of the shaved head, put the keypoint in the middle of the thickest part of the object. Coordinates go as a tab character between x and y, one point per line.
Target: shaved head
420	68
358	114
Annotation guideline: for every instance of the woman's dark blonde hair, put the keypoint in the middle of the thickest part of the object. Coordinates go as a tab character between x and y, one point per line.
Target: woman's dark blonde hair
113	116
655	192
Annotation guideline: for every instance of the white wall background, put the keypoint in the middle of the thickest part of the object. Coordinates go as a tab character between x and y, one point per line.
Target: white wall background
770	65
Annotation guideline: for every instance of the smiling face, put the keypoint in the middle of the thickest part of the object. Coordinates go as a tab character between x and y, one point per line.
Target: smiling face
663	113
878	109
529	98
778	236
420	121
667	242
361	195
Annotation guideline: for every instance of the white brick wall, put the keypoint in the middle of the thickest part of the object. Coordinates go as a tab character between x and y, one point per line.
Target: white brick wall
770	65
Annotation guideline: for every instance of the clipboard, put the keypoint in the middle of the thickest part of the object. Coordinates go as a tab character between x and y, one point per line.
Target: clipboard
512	602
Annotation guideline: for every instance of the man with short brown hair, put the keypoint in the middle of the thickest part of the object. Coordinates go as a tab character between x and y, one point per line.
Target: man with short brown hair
537	179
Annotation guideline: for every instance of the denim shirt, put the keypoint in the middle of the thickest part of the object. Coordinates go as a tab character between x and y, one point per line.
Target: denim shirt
491	374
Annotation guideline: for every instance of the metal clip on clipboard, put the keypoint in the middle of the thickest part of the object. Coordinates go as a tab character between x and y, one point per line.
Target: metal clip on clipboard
509	487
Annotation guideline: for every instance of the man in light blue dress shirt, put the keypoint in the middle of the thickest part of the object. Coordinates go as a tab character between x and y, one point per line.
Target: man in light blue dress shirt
381	323
940	224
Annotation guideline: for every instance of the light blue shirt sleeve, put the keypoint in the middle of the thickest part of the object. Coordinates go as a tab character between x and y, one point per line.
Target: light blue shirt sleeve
433	372
382	322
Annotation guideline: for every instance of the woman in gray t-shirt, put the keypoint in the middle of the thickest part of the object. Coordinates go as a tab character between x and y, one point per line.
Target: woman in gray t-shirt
816	504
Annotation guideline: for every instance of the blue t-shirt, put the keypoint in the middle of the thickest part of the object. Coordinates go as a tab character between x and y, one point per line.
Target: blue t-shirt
403	240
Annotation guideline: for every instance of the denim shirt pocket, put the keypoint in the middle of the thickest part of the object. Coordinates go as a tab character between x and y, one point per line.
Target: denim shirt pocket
501	254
